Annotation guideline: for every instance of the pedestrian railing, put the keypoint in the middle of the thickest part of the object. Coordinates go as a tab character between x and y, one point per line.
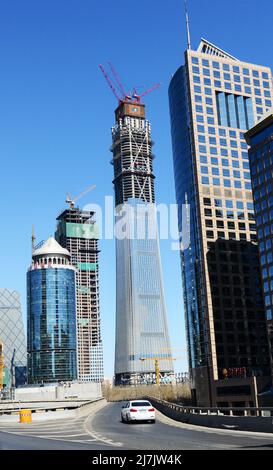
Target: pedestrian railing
221	411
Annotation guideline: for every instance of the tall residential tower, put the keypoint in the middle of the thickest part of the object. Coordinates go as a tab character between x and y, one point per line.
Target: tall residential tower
214	98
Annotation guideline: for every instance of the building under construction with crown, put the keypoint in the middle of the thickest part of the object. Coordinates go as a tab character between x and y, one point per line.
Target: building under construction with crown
141	322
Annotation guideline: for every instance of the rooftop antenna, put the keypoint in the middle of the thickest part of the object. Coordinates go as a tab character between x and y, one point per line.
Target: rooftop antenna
33	239
187	26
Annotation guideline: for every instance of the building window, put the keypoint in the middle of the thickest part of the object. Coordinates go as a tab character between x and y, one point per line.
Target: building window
234	110
209	233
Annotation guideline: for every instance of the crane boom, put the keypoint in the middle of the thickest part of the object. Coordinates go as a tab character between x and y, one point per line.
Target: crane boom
115	74
132	97
71	201
109	81
139	96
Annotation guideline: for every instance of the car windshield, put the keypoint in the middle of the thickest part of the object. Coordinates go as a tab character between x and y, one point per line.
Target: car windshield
141	403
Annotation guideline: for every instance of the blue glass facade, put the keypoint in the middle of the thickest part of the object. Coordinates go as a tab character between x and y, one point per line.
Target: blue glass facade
51	341
261	167
140	297
184	170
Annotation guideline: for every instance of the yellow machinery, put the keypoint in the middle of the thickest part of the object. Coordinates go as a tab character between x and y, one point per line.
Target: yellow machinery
156	360
1	365
157	367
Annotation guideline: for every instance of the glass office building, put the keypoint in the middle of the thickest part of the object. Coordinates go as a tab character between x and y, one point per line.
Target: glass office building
51	339
13	338
214	98
260	139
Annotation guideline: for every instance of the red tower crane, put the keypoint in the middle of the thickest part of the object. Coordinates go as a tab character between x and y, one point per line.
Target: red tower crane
123	96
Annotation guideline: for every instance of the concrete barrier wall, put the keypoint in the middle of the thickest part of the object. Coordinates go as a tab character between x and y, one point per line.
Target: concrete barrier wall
78	391
242	423
46	413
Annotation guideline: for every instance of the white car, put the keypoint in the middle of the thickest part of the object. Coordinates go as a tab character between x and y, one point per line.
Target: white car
138	410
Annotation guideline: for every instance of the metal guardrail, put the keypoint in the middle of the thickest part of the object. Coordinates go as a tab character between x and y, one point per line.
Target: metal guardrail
221	411
66	406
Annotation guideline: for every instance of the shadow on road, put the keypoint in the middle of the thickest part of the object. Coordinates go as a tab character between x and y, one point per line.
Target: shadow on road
135	422
257	446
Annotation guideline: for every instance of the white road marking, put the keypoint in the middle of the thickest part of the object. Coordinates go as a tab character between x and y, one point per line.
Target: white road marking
79	441
89	430
58	431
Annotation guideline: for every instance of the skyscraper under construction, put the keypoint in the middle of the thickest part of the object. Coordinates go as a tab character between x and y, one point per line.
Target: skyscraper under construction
141	325
77	231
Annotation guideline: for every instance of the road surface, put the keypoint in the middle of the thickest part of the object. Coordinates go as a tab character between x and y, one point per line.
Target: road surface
103	430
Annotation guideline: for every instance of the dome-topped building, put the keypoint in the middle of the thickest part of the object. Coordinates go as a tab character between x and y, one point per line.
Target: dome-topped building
51	253
51	296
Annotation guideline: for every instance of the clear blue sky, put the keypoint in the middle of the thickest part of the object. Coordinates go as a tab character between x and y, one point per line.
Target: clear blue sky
56	112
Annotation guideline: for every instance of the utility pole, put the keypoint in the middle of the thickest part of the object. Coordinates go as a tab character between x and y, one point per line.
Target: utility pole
1	366
12	375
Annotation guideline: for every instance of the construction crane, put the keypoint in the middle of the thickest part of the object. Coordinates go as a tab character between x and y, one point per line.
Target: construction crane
71	201
156	360
2	366
122	95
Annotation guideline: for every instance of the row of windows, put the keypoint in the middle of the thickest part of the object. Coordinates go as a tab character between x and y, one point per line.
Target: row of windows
228	77
229	214
224	162
198	108
207	91
228	67
234	153
222	132
222	140
237	87
205	170
228	203
229	224
231	236
226	182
